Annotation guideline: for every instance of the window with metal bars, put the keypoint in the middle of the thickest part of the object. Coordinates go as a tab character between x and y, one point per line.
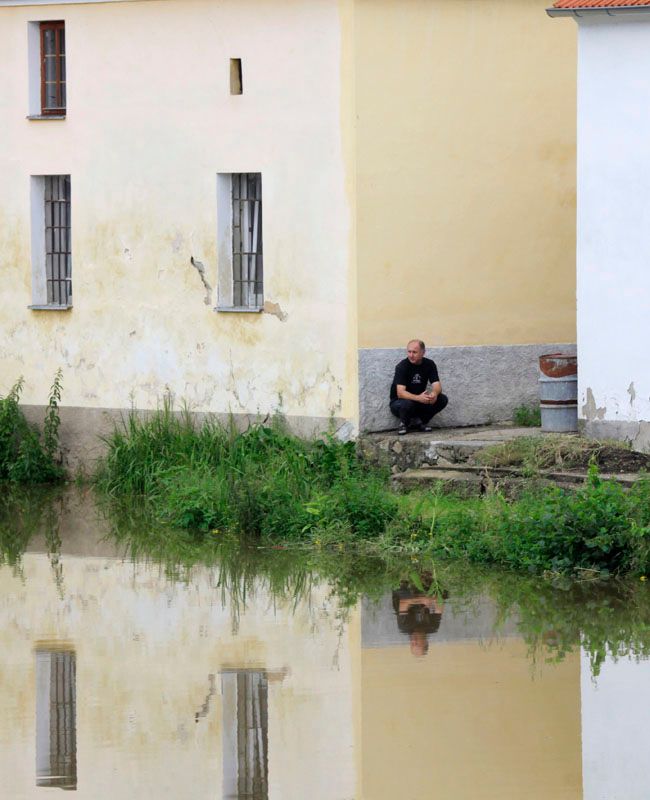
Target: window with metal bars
56	719
247	254
53	72
58	256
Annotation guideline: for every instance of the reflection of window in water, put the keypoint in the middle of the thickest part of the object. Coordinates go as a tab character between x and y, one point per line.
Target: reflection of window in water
56	725
245	735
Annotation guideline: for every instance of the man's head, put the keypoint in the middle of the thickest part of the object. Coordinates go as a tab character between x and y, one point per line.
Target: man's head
415	351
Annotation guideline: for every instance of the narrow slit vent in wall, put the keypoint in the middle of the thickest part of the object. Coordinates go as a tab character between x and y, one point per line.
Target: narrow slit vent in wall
236	83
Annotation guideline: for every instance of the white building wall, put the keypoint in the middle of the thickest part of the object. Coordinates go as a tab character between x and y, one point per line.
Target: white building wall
150	123
614	730
613	236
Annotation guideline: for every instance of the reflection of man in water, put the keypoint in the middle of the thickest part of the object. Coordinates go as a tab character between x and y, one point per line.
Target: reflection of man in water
418	615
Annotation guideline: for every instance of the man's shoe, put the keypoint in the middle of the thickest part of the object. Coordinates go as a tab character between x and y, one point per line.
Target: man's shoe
423	428
402	430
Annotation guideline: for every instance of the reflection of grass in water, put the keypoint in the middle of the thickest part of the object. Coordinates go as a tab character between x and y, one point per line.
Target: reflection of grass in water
25	513
554	616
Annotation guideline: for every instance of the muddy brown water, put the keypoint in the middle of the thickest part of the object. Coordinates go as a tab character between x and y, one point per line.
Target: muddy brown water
119	679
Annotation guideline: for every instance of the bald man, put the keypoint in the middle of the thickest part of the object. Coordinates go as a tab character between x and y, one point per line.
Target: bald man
410	400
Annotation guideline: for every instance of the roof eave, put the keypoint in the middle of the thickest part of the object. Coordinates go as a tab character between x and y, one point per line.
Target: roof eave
609	12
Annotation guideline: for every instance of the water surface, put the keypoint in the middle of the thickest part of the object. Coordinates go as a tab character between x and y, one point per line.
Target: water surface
122	677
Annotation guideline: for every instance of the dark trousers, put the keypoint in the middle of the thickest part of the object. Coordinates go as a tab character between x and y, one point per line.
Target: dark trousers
408	410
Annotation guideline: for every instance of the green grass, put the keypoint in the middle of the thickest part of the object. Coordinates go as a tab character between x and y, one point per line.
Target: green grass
267	485
527	416
599	528
262	482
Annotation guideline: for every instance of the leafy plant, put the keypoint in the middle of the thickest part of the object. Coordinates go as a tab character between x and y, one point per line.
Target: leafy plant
25	457
527	416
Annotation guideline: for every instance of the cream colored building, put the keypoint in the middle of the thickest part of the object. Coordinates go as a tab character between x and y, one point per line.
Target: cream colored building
414	162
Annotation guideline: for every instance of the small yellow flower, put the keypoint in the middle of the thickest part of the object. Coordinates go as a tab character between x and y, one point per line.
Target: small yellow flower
642	577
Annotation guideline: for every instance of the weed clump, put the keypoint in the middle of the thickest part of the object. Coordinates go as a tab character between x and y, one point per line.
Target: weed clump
212	480
527	417
263	482
26	456
600	528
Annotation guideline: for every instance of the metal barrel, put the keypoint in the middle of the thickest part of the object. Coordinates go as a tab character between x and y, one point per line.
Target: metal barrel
558	392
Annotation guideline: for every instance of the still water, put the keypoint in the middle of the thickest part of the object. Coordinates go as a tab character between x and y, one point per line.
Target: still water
124	678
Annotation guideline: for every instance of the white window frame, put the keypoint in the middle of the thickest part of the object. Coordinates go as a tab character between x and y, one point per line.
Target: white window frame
225	249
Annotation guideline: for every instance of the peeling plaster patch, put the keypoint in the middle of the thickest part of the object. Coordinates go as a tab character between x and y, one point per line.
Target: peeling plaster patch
589	410
178	242
127	254
632	392
198	266
275	310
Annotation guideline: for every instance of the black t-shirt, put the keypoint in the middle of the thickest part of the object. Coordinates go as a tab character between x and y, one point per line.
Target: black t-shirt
414	376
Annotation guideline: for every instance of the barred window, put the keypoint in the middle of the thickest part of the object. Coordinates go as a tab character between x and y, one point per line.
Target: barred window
245	738
58	258
239	238
53	73
51	242
56	719
247	257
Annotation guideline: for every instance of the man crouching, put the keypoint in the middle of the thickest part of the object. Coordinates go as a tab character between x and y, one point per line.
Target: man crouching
409	398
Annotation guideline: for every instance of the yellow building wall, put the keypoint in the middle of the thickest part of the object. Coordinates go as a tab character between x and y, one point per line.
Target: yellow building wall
150	124
470	721
465	173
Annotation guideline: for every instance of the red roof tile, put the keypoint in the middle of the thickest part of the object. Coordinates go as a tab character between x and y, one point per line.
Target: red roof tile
600	3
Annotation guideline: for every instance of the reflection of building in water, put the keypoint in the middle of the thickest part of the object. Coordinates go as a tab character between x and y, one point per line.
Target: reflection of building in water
56	727
245	735
163	678
614	710
474	720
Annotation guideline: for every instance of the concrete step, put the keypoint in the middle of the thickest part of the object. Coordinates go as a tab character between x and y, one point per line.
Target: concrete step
471	480
442	447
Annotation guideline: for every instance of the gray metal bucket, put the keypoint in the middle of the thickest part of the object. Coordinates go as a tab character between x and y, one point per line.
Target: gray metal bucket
558	392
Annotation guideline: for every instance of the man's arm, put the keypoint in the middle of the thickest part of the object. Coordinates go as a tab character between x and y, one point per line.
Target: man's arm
403	394
436	389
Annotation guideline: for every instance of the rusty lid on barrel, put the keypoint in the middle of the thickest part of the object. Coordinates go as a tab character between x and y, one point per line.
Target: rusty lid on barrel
558	365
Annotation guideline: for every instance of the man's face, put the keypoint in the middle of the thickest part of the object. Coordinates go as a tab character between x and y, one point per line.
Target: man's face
414	352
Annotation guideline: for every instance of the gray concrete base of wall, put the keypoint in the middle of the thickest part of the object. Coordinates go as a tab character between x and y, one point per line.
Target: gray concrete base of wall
484	384
83	430
636	434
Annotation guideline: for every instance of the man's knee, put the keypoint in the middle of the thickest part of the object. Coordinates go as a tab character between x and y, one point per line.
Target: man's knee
400	406
442	401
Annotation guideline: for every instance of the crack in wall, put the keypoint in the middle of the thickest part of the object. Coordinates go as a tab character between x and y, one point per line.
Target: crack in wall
205	708
200	268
